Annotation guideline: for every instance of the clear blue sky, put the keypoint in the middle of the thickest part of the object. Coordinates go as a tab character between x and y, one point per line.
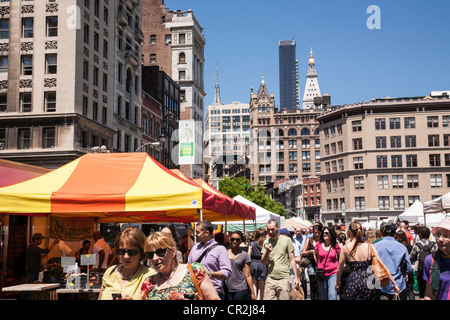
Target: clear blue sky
408	56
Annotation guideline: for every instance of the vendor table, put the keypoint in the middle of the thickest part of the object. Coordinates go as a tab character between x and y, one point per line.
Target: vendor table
64	291
40	290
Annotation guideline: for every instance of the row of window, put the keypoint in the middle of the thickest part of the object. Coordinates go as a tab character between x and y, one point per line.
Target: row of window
26	102
383	202
27	27
24	138
293	167
394	124
26	64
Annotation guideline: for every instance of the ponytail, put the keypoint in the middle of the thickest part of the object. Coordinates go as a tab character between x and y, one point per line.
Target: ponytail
356	230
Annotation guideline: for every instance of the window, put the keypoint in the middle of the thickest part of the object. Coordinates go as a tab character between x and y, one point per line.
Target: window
432	122
383	182
394	123
306	155
360	203
292	132
96	43
182	58
447	159
95	111
105	82
27	27
359	183
356	126
380	124
145	124
182	38
96	7
306	167
380	142
305	143
410	141
436	180
52	27
411	160
25	102
413	181
358	163
24	138
27	65
396	161
3	65
181	75
152	57
51	66
446	140
86	34
105	16
446	121
381	161
433	140
435	160
399	202
104	115
292	155
410	122
3	102
4	29
293	167
397	181
86	70
383	202
357	144
292	143
105	49
95	77
48	137
85	106
50	101
153	39
304	131
2	139
396	142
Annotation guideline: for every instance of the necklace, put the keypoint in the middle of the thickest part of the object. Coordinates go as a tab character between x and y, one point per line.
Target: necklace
129	277
170	277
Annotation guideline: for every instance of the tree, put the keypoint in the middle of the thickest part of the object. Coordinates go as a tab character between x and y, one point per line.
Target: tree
256	193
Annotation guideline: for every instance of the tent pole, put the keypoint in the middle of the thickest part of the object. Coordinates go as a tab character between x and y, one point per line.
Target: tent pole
226	221
243	220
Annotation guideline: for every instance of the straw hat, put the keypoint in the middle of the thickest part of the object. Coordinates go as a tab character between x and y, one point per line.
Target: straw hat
444	224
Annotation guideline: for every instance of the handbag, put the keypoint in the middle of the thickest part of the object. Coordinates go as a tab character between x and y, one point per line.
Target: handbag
379	269
297	293
194	279
320	272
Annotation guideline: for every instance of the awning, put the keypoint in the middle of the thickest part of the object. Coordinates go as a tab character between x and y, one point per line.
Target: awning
114	187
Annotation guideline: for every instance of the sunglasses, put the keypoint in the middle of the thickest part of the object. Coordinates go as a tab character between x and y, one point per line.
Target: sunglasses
131	252
160	253
235	239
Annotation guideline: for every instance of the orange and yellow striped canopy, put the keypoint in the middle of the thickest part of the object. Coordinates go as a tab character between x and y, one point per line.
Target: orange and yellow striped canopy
114	187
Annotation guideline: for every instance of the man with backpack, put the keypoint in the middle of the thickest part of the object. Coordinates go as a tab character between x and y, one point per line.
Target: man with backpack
418	253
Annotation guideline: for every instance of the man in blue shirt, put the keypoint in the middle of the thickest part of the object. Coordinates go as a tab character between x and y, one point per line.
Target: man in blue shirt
393	254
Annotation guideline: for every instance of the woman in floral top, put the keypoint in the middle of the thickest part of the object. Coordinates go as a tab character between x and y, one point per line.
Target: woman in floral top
173	279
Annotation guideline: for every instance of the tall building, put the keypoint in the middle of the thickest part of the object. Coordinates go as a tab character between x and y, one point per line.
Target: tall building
312	89
284	144
67	79
378	157
289	78
227	132
176	45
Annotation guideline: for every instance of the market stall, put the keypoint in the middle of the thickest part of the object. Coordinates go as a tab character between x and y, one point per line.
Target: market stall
117	187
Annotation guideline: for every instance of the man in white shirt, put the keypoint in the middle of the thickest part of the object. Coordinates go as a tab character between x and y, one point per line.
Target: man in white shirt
102	251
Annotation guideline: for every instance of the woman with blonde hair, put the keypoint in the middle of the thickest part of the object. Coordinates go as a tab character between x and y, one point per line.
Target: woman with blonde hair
173	280
370	236
358	255
123	281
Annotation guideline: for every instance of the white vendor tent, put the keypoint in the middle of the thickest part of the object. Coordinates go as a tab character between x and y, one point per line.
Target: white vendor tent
413	214
438	205
296	221
262	216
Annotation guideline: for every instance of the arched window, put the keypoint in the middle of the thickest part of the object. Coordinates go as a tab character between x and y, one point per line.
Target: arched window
292	132
278	133
305	132
182	58
316	132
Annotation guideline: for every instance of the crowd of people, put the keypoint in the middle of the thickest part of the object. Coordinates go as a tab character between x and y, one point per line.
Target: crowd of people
273	263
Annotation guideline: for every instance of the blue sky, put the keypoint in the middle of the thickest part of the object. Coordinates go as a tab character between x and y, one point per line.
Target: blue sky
408	56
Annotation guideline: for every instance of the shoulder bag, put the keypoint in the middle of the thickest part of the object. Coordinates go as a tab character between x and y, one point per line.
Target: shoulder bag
320	272
194	279
379	269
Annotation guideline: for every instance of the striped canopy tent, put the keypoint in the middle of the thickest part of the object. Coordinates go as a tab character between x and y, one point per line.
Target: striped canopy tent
229	204
14	172
114	187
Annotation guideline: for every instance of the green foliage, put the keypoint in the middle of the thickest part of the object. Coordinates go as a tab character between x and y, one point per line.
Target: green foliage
256	193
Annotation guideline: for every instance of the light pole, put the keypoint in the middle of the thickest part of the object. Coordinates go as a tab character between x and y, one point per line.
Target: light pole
148	144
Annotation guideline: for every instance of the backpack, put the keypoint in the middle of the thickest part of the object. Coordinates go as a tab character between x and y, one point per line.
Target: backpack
423	253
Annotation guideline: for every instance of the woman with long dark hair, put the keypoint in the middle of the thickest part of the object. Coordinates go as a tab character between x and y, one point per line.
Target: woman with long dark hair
327	255
308	251
258	270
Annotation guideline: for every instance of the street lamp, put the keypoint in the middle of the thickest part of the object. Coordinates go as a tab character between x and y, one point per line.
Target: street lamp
147	144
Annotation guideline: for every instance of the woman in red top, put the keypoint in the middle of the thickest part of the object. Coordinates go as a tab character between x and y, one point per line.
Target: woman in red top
327	256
